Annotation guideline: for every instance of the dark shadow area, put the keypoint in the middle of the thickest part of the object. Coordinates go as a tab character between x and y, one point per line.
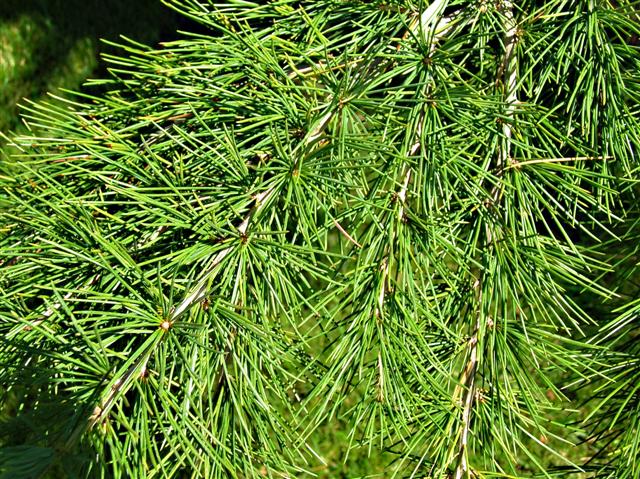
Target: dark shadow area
48	44
142	20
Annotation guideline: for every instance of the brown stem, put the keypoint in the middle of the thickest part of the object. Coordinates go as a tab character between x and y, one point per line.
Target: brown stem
508	73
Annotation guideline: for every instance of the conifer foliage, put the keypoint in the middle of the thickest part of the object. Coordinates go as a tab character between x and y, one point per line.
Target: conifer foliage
407	218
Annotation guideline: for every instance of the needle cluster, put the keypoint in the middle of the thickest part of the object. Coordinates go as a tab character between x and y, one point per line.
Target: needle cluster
405	217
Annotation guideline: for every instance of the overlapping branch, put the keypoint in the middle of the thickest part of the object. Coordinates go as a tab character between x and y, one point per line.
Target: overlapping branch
467	383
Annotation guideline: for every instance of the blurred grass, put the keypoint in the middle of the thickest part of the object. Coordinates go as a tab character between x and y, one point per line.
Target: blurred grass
46	45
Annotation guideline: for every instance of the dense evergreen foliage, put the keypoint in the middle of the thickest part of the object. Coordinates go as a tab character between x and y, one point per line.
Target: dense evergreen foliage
415	220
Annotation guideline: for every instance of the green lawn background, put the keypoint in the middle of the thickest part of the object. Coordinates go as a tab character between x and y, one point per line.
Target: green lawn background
46	45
